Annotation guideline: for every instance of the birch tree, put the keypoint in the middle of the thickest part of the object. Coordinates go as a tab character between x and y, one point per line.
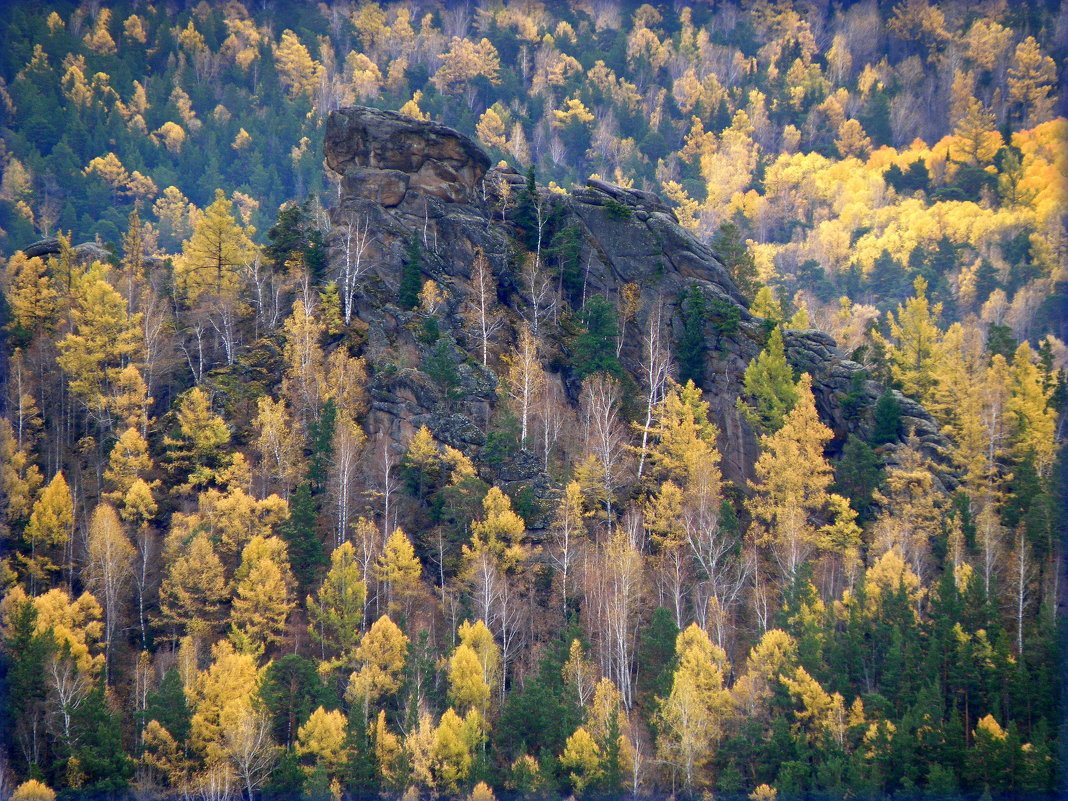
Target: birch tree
110	567
353	240
482	312
524	379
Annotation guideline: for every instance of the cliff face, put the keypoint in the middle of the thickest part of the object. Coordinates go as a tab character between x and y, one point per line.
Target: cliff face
402	179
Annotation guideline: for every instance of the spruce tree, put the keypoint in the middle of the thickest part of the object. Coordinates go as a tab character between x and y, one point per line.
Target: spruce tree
167	706
691	349
411	281
857	475
593	349
291	690
321	434
729	246
301	534
886	420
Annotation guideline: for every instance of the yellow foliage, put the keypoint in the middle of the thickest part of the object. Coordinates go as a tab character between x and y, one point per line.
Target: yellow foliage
172	135
99	39
242	140
33	790
991	728
134	29
479	638
411	108
213	257
573	112
490	130
381	656
74	624
215	694
322	737
582	760
262	592
399	569
464	61
467	686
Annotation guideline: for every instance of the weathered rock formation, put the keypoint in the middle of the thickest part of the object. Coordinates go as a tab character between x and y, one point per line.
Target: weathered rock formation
383	155
85	252
402	179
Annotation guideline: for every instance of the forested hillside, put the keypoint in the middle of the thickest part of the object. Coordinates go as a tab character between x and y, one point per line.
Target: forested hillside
666	400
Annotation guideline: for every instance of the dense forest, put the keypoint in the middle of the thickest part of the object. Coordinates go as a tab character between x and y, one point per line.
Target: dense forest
313	487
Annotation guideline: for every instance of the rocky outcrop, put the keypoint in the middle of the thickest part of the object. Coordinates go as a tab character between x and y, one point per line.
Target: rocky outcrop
382	156
85	252
404	180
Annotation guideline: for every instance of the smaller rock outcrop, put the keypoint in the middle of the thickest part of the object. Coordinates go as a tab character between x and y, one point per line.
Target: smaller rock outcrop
85	252
384	156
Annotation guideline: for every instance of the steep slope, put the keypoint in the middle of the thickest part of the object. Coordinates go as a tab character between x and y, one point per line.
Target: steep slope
403	180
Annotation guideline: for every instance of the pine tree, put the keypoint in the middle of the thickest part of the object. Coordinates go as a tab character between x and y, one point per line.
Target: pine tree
411	280
886	420
692	347
301	534
102	765
167	705
656	655
290	690
858	474
730	248
593	349
321	435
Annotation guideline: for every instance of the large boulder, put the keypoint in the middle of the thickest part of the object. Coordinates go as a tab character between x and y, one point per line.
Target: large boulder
383	155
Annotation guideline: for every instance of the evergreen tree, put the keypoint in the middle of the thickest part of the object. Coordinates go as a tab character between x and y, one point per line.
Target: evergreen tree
411	279
167	706
593	349
729	245
102	765
23	691
290	690
295	237
692	347
301	533
857	475
526	214
321	435
656	655
886	420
